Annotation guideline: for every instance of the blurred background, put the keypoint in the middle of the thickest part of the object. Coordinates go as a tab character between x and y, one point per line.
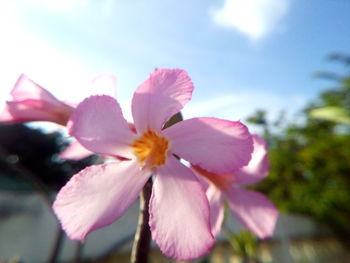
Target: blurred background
280	66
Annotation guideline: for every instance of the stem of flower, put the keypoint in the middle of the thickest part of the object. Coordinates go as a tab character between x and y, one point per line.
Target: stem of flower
28	176
56	248
142	241
43	191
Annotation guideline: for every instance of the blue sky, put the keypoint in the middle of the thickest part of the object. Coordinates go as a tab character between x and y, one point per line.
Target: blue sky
242	55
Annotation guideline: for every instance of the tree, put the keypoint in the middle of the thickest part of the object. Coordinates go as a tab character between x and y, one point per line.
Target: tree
310	161
36	152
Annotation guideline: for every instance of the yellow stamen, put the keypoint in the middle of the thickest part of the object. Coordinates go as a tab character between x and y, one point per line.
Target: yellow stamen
151	148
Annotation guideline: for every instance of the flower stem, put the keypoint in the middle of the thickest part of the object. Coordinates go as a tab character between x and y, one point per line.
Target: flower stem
142	241
43	191
56	248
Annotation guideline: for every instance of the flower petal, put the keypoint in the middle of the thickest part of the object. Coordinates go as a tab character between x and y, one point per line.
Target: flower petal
97	196
254	211
25	88
221	181
30	102
258	167
98	124
6	116
75	151
158	98
216	209
216	145
179	213
33	110
19	112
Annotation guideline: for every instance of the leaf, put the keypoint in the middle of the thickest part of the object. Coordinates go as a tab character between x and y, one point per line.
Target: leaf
332	113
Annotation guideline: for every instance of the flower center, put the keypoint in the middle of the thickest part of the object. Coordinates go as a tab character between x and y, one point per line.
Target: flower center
151	148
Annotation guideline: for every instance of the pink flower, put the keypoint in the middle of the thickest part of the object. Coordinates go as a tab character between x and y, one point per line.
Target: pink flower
253	209
33	103
179	209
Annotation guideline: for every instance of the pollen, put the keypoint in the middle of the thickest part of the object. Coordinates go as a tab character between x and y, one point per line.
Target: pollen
151	148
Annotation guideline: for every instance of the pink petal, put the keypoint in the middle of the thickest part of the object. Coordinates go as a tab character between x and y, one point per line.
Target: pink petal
98	124
216	209
162	95
214	195
6	115
25	88
216	145
204	182
221	181
75	151
17	113
97	196
258	167
254	211
29	110
33	103
179	213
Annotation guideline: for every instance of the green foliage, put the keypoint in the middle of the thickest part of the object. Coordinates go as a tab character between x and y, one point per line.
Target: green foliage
336	102
243	244
332	113
310	161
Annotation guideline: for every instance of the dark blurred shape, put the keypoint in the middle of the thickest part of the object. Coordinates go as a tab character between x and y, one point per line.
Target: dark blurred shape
173	120
37	152
342	57
258	118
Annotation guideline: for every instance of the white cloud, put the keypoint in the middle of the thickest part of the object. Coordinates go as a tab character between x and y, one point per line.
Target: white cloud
255	18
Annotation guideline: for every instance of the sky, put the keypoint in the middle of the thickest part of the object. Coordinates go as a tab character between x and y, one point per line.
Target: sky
242	55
